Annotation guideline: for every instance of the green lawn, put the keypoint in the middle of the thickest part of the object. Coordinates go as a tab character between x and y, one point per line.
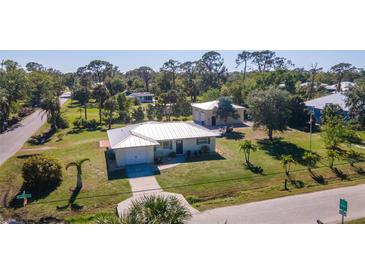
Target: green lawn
357	221
98	194
222	181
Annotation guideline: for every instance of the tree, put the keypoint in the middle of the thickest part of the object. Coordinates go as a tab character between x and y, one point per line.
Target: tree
188	70
225	109
51	105
332	155
311	160
156	209
266	60
340	70
247	146
5	109
100	70
212	70
100	93
150	112
111	105
82	95
299	115
124	106
115	85
313	73
356	103
78	165
353	157
270	109
138	114
243	58
146	74
331	111
33	66
287	161
41	174
171	67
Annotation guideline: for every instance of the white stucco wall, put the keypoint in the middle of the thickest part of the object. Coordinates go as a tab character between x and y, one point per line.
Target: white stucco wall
136	155
200	115
188	144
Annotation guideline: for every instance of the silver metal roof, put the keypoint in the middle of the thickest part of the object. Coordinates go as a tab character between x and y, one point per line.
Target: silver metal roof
148	134
212	105
335	98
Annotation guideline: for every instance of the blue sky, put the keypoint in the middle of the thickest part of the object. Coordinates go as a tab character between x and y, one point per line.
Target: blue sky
68	61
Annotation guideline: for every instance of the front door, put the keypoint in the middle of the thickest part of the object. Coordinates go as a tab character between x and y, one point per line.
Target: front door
213	121
179	147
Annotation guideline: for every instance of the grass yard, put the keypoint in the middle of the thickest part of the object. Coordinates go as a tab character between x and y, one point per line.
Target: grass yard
97	195
223	181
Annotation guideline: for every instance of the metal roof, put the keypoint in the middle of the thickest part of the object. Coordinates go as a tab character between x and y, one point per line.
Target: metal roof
212	105
138	94
321	102
148	134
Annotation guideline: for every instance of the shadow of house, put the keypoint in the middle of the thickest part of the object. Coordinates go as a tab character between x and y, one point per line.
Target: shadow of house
234	135
278	147
205	157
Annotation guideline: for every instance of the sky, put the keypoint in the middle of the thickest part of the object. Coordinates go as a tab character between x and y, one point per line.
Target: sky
70	60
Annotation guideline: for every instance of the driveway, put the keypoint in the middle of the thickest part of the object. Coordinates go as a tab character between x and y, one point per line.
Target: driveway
298	209
12	140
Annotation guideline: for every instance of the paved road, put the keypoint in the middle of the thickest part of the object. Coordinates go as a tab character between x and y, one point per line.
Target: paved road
11	141
298	209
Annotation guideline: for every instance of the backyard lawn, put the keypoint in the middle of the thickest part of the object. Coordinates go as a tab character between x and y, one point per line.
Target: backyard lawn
224	180
97	195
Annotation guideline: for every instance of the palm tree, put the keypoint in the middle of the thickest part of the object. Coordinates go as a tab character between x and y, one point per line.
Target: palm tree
78	165
52	107
110	106
287	161
311	159
247	146
156	209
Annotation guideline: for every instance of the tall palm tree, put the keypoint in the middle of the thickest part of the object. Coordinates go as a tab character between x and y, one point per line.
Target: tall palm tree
157	209
78	165
247	146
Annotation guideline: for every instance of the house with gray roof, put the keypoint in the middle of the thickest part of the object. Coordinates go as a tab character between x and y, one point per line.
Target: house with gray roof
142	97
317	105
142	143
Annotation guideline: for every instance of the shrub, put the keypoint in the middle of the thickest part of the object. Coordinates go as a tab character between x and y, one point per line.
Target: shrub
195	153
63	123
204	149
60	136
25	111
41	174
91	124
172	154
188	153
78	123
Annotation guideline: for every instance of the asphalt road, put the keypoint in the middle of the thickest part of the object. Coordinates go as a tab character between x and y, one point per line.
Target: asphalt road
297	209
12	140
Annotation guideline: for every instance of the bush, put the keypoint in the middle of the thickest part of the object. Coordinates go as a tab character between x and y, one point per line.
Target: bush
63	123
172	154
204	149
188	153
41	174
195	153
78	123
92	124
25	111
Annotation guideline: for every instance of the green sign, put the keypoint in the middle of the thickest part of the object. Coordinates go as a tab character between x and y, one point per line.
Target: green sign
24	196
343	207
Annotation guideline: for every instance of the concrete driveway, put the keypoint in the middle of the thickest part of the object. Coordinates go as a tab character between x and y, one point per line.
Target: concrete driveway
297	209
13	139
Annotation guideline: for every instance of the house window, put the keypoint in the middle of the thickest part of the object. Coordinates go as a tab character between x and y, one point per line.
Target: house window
202	141
166	144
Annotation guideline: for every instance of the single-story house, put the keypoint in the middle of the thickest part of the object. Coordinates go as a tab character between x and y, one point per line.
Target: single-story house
317	105
142	143
204	114
142	97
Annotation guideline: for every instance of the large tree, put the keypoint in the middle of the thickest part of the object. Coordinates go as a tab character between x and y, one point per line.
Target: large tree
266	60
340	70
146	74
212	69
82	95
100	94
243	58
100	70
171	67
270	109
188	70
110	105
356	103
313	73
225	109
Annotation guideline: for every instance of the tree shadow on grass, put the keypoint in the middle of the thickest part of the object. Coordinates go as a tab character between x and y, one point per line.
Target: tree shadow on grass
297	183
340	174
254	169
71	201
318	178
359	170
234	135
41	139
278	147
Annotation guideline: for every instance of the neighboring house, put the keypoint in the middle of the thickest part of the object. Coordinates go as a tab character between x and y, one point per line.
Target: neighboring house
142	143
345	86
204	114
317	105
142	97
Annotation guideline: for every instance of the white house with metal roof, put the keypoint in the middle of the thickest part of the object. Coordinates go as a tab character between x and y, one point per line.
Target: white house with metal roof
142	97
142	143
204	114
317	105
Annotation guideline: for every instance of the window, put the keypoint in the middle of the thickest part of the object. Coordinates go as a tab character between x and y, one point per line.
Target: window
202	141
166	144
